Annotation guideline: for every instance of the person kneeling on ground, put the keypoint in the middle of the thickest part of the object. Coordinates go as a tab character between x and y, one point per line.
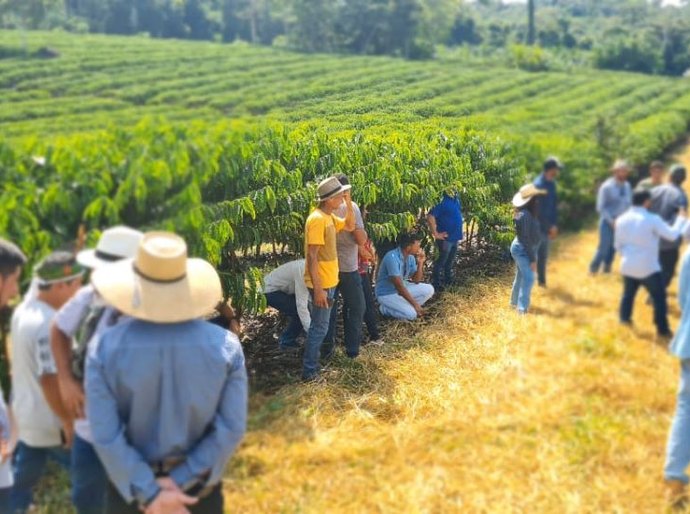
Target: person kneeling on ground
167	391
638	232
286	291
399	290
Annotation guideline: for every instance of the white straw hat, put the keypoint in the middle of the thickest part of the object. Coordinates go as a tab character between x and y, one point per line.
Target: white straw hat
526	193
115	243
161	284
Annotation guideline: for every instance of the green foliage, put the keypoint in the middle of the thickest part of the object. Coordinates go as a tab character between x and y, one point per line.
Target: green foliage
638	53
529	58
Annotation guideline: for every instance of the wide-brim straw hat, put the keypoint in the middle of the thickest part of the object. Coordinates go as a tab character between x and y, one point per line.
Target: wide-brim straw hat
160	284
330	187
526	193
115	243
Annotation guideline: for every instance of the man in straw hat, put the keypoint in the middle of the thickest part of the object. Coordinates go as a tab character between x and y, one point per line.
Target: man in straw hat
321	271
638	233
45	427
84	316
166	390
613	199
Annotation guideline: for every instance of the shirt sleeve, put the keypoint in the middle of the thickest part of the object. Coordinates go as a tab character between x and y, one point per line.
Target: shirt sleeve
302	300
601	204
69	317
412	266
126	468
391	266
669	233
359	222
316	231
211	453
44	354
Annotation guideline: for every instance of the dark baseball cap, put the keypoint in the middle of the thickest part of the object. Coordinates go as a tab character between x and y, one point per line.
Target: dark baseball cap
551	163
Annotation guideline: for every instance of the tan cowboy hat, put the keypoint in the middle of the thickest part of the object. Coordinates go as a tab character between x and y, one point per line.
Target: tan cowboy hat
160	284
526	193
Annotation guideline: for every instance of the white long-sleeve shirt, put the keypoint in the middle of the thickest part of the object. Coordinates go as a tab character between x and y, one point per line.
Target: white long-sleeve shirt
289	279
637	236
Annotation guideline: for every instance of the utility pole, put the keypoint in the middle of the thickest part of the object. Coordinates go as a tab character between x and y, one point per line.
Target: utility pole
530	22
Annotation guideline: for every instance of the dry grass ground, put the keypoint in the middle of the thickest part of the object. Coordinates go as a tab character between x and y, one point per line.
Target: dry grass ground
477	410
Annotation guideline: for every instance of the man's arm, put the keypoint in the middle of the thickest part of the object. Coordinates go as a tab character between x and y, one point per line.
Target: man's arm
49	385
126	468
320	297
670	233
210	455
71	390
302	302
419	272
431	221
601	205
350	219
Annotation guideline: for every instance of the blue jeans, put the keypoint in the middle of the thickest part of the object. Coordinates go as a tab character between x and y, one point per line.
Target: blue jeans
678	447
320	319
605	250
447	250
524	278
657	291
542	257
89	479
286	304
28	464
354	306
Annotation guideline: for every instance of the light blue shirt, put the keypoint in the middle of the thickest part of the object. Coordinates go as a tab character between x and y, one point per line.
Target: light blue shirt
394	265
157	391
680	346
613	199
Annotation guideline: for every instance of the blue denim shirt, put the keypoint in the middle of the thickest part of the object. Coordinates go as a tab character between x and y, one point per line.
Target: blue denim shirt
548	204
394	265
680	346
613	199
157	391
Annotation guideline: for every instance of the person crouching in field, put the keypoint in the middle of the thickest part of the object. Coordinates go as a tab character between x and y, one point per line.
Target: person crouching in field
638	233
399	288
11	262
678	447
166	390
524	248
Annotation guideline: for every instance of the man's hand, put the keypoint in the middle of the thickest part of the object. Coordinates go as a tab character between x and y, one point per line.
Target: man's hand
67	432
419	310
170	502
320	298
440	236
167	484
421	257
72	393
553	232
366	254
533	266
5	451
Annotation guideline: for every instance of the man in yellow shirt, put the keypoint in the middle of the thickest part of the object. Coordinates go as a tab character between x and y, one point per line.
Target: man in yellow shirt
321	270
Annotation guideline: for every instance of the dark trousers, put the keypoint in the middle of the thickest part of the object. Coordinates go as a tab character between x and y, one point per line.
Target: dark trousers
370	315
655	286
668	260
89	479
542	258
350	288
286	304
211	504
442	272
28	463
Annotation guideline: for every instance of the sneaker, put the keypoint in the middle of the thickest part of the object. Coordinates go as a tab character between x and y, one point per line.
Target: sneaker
664	337
376	342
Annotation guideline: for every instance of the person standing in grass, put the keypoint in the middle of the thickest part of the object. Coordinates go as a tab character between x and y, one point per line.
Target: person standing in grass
638	232
349	283
524	248
321	270
667	201
367	255
166	390
11	262
45	425
655	178
445	222
399	288
678	446
613	199
548	213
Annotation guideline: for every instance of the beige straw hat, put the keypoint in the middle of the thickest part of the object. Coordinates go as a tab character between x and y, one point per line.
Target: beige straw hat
160	284
330	187
526	193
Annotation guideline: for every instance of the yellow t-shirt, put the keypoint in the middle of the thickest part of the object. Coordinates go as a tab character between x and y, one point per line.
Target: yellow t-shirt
320	230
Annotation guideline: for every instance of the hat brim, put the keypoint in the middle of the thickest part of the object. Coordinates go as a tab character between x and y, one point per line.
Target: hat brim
521	201
192	297
88	259
343	188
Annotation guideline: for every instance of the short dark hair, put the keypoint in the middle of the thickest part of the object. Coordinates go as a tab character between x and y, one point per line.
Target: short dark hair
342	178
678	174
640	196
552	163
408	238
656	164
11	257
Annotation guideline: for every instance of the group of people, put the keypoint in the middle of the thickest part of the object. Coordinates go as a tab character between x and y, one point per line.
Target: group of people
339	264
135	383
